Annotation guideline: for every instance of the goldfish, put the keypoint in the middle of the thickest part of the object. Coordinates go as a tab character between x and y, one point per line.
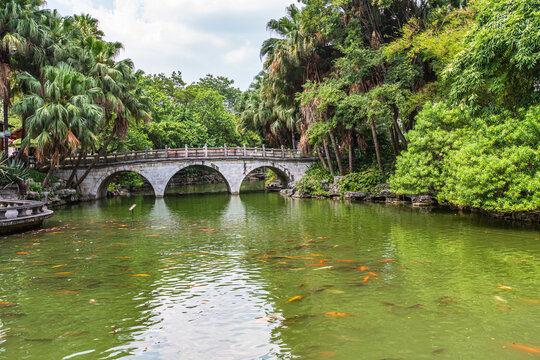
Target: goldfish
340	314
262	261
387	260
66	292
531	301
295	298
322	268
141	275
5	303
266	318
366	279
57	266
23	253
373	274
525	348
504	287
362	268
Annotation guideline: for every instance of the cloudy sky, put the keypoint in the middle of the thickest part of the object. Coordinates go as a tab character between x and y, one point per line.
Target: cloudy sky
196	37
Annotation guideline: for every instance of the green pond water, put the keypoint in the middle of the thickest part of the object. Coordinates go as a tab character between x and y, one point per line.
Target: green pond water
259	276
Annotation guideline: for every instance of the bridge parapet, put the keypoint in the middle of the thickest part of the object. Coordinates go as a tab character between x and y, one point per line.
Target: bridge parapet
223	152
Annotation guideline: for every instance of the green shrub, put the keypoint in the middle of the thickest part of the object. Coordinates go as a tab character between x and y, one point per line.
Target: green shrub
311	182
36	187
488	161
129	179
39	176
270	177
362	181
112	187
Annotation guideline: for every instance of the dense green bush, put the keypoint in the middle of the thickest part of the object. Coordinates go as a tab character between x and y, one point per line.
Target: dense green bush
311	182
39	176
362	181
36	187
490	162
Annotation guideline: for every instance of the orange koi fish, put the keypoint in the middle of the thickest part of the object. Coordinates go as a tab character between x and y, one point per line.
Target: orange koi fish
531	301
66	292
57	266
387	260
373	274
366	279
141	275
23	253
295	298
340	314
362	268
525	348
504	287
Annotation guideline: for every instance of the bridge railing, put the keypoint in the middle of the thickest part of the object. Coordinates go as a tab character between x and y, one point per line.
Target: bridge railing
189	153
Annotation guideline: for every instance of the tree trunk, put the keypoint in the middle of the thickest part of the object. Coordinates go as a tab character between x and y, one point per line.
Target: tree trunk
350	158
51	169
292	139
321	158
5	143
400	135
23	135
95	160
351	152
330	166
336	152
376	143
395	110
395	146
74	172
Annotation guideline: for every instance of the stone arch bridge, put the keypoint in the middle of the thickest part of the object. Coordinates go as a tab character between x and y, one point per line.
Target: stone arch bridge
159	166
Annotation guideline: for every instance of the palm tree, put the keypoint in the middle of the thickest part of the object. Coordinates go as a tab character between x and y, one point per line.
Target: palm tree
18	30
123	98
62	111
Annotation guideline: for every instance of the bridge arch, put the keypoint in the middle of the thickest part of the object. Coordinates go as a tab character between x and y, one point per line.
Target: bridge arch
282	173
238	177
201	164
103	182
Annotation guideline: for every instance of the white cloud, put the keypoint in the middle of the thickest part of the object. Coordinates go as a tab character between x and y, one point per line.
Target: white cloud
196	37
